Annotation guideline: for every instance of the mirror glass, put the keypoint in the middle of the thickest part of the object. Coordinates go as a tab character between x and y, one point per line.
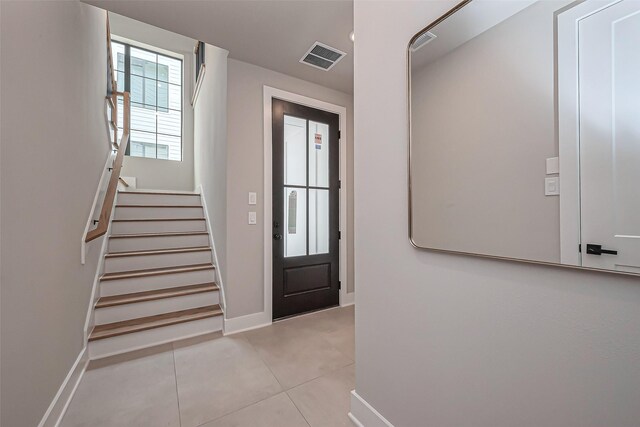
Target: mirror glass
525	132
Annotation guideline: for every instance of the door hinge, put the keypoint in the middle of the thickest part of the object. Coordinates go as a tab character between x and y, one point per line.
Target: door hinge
339	284
339	235
339	183
339	134
580	247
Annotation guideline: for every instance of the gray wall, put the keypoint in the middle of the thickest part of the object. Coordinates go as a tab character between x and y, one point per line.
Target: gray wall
53	148
245	243
157	173
446	340
210	147
483	126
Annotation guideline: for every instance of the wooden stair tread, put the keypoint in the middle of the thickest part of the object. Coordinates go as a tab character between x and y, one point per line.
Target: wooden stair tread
151	322
170	234
155	271
160	193
158	252
159	206
157	219
157	294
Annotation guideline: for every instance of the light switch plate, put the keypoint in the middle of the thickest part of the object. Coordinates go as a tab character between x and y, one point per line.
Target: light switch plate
252	218
253	198
552	186
553	165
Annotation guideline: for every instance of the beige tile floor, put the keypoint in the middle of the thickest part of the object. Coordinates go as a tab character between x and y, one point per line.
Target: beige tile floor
294	373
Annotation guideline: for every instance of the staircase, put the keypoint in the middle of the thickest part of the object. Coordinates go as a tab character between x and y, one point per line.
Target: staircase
158	280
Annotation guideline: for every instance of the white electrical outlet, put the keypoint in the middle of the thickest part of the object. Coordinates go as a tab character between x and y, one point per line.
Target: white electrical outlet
252	218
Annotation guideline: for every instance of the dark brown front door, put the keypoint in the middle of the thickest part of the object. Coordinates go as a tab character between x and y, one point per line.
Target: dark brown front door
305	209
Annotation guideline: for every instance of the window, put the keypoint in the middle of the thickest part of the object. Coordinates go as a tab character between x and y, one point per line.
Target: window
199	58
155	83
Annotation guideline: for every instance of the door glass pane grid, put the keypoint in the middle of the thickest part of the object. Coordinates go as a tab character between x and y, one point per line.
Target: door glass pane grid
318	154
318	221
295	222
306	165
295	151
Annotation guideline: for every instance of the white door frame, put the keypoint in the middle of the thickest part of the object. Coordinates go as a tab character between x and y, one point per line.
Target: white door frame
269	94
569	125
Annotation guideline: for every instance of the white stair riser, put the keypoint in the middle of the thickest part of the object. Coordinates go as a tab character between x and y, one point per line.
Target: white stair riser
155	212
127	244
138	227
145	262
134	341
151	308
158	199
150	283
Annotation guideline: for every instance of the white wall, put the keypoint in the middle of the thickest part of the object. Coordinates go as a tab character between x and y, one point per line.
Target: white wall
483	126
210	147
445	340
54	145
245	243
162	174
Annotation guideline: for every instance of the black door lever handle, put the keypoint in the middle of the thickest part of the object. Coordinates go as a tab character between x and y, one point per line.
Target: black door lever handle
597	250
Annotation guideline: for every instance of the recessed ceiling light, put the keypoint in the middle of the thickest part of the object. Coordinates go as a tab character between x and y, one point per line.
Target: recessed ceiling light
352	36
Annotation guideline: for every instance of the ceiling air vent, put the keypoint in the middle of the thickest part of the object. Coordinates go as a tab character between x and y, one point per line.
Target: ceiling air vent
322	56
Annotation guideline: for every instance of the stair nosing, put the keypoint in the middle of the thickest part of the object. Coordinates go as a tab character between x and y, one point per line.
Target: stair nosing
156	294
157	219
155	271
169	234
168	193
108	330
160	206
152	252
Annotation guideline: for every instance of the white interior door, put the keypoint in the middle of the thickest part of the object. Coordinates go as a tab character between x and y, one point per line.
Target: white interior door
609	88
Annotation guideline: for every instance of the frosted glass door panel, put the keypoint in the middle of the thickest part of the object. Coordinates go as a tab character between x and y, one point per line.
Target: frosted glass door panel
318	222
318	154
295	151
295	222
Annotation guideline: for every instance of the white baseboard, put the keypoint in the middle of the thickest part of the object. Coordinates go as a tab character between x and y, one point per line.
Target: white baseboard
218	273
348	299
60	403
364	415
246	323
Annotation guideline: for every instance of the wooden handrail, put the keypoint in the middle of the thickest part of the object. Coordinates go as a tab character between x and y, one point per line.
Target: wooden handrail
120	147
110	194
112	74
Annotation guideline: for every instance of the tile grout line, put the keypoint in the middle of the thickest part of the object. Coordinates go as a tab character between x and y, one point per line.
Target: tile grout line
264	362
175	375
352	361
283	390
298	409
